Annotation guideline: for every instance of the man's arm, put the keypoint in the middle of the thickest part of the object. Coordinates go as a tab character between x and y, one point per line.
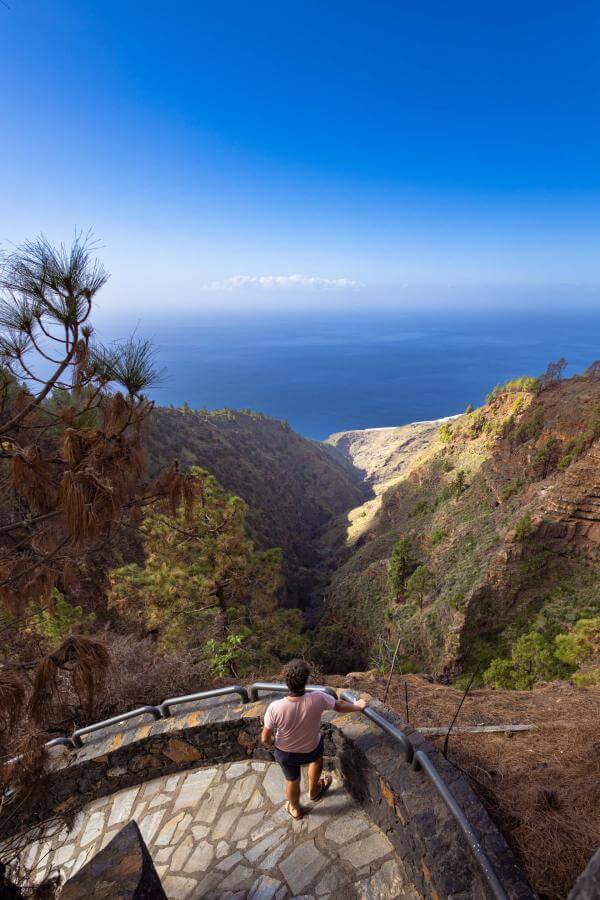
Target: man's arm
266	736
344	706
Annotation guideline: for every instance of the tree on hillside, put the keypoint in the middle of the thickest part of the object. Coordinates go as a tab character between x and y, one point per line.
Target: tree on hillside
420	583
72	468
553	373
402	563
205	586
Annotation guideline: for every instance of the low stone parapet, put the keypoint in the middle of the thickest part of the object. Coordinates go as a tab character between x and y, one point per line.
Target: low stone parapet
400	800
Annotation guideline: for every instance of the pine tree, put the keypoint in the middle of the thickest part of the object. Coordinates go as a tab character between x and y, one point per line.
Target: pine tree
206	587
401	565
71	468
420	583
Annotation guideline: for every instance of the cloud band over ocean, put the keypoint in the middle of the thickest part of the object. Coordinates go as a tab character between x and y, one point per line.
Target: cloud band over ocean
268	282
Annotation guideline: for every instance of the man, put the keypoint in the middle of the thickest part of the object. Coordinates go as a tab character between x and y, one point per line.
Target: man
294	725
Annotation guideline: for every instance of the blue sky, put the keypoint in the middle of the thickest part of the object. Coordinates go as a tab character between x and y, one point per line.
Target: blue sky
394	152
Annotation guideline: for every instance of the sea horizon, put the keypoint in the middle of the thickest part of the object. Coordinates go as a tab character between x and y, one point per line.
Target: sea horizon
329	371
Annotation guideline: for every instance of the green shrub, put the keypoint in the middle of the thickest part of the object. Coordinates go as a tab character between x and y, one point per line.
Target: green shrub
437	535
587	679
546	457
469	408
456	600
565	461
477	423
531	427
59	618
524	527
402	564
531	660
445	433
524	384
577	645
581	443
536	658
419	584
222	654
420	508
455	488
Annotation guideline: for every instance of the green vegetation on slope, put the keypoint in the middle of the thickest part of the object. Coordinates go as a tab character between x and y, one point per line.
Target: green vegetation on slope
297	491
498	547
205	588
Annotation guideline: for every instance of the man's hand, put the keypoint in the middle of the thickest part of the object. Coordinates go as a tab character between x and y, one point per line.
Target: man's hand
344	706
267	736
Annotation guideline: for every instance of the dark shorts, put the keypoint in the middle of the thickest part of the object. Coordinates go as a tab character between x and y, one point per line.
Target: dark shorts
291	762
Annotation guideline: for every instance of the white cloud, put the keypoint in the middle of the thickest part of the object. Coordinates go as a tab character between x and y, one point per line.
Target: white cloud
267	282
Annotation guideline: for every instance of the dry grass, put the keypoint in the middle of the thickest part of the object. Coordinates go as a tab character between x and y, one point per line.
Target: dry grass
541	787
141	674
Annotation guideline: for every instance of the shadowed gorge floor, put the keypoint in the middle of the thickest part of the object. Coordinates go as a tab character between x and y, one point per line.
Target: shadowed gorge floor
223	832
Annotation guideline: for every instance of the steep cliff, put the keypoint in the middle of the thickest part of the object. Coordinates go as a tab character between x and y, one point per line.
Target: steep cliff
383	456
501	518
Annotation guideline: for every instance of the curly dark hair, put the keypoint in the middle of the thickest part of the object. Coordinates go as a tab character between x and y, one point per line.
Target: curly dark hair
296	673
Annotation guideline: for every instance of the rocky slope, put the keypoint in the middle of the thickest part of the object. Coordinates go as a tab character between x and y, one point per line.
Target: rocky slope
503	511
298	491
383	456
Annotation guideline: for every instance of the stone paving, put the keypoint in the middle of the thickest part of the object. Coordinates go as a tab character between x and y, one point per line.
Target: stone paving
223	832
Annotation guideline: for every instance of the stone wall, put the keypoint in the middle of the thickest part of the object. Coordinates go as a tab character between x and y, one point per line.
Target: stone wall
400	800
404	803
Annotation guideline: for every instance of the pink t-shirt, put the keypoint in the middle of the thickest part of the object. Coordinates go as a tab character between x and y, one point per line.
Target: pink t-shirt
296	722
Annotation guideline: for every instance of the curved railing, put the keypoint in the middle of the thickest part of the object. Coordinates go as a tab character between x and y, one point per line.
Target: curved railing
419	760
273	688
165	706
385	725
163	710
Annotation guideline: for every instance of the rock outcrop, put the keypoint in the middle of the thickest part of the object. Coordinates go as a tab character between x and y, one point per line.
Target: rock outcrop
123	870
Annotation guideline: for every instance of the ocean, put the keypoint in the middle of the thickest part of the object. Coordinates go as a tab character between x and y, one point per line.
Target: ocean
334	371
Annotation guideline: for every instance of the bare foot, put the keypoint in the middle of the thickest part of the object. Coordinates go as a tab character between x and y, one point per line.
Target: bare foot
324	784
294	811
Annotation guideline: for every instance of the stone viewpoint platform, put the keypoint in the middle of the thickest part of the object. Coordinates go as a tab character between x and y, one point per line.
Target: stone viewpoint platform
209	803
224	832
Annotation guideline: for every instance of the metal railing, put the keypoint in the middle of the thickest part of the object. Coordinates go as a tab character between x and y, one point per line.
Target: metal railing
385	725
162	711
419	760
165	706
273	688
422	762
